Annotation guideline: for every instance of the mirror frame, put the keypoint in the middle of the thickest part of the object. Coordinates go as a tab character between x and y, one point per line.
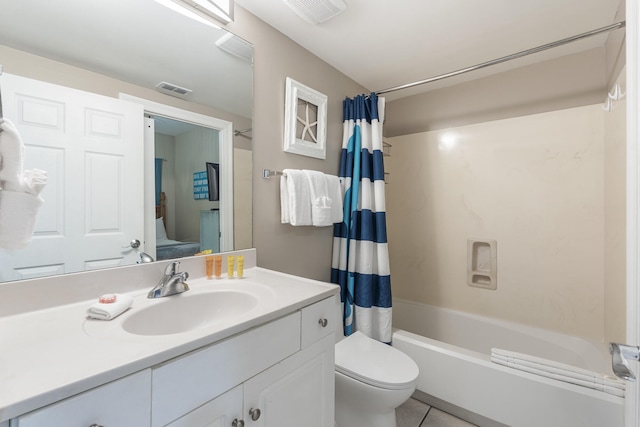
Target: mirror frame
225	145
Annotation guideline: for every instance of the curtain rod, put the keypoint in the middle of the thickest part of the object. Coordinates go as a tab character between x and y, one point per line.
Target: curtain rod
544	47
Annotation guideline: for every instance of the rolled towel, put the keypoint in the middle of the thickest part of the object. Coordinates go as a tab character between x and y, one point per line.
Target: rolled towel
13	177
110	310
11	158
34	181
18	212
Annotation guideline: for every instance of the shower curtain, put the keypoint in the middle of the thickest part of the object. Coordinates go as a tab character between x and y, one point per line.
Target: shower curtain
360	263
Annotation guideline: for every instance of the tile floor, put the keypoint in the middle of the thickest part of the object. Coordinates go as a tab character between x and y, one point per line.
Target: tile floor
414	413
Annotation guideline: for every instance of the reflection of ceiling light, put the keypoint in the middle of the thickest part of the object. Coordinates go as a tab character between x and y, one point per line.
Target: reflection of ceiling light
235	45
203	10
316	11
448	141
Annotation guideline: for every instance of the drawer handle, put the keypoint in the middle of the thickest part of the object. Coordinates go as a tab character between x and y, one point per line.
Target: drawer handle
255	414
323	322
95	425
237	423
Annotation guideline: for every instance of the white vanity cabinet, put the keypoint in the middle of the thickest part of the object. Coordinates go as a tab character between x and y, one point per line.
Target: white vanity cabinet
121	403
263	377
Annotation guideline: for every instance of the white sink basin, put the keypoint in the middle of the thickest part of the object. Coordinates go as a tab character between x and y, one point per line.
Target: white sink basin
188	311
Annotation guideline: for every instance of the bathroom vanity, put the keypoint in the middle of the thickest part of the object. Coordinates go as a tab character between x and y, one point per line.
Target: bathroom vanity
269	362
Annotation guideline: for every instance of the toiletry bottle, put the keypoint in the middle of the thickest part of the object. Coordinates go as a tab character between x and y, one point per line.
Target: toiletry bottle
209	266
218	264
230	266
240	263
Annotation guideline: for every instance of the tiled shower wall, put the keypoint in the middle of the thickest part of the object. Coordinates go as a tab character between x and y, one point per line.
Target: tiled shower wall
537	185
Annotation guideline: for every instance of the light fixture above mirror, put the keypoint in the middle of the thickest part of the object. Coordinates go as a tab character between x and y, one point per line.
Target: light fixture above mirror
219	10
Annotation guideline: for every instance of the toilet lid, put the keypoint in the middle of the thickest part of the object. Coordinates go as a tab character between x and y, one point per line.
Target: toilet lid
375	363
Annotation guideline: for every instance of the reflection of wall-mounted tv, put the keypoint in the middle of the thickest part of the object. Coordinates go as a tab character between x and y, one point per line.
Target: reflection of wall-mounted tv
213	179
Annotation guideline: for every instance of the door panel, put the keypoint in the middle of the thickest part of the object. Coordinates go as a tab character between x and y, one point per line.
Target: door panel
91	147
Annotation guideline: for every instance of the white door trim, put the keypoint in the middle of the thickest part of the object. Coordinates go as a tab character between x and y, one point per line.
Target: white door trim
225	152
632	418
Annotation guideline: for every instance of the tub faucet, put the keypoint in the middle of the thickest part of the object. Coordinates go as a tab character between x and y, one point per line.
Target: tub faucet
619	355
172	282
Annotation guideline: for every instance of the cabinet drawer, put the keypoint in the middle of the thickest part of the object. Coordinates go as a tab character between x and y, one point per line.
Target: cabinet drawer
319	320
182	385
122	403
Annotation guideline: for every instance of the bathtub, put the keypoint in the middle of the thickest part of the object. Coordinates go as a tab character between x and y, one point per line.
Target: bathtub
453	350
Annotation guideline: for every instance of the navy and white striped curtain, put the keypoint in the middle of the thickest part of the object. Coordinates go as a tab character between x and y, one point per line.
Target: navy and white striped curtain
360	263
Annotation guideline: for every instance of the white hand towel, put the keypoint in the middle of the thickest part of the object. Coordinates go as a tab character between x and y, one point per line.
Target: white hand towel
285	215
18	212
299	197
335	193
109	311
11	158
320	200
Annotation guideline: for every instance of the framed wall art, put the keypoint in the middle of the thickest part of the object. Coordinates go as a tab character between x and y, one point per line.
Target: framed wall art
305	129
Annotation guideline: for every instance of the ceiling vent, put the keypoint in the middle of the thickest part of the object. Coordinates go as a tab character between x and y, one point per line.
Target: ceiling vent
236	46
316	11
173	90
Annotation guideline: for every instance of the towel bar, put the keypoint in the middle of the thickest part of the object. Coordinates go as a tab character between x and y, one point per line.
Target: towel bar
266	173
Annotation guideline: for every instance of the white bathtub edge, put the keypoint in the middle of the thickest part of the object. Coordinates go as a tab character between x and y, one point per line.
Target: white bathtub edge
469	380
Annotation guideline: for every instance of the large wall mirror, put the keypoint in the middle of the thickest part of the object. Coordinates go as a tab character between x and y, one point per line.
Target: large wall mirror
190	85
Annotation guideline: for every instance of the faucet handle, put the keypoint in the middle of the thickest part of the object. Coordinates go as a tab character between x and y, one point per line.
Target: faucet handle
172	269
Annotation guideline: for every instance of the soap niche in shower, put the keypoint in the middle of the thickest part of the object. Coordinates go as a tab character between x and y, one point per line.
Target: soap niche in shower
482	262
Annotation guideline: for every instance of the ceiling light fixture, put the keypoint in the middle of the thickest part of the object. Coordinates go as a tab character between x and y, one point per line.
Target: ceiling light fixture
219	10
236	46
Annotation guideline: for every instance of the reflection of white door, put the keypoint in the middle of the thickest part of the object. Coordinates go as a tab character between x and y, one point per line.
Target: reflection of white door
91	146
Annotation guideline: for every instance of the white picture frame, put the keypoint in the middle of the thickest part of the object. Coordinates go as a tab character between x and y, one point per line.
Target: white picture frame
305	128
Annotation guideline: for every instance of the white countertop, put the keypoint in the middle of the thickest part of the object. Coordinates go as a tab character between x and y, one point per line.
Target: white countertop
51	354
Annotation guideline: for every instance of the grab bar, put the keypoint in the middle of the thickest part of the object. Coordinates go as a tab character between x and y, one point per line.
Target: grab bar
619	355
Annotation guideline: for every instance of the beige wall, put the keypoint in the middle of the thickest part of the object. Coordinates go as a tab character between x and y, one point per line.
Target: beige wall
192	150
536	184
165	149
305	251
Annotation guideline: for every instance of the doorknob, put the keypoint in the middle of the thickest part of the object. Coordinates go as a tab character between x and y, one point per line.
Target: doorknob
255	414
135	244
619	355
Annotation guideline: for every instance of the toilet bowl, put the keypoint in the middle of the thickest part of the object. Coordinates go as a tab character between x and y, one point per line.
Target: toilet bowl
372	380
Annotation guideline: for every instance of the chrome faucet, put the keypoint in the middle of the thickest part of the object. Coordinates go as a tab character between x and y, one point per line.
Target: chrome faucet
172	282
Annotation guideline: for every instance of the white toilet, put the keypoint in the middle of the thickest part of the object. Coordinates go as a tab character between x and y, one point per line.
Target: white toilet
372	380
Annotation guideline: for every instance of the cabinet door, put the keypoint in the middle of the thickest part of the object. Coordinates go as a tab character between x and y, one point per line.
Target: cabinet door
220	412
299	391
122	403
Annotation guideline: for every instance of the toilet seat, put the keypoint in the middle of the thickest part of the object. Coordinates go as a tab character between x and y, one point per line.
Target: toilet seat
375	363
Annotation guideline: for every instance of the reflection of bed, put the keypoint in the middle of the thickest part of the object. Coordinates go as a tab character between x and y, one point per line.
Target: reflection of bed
165	247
